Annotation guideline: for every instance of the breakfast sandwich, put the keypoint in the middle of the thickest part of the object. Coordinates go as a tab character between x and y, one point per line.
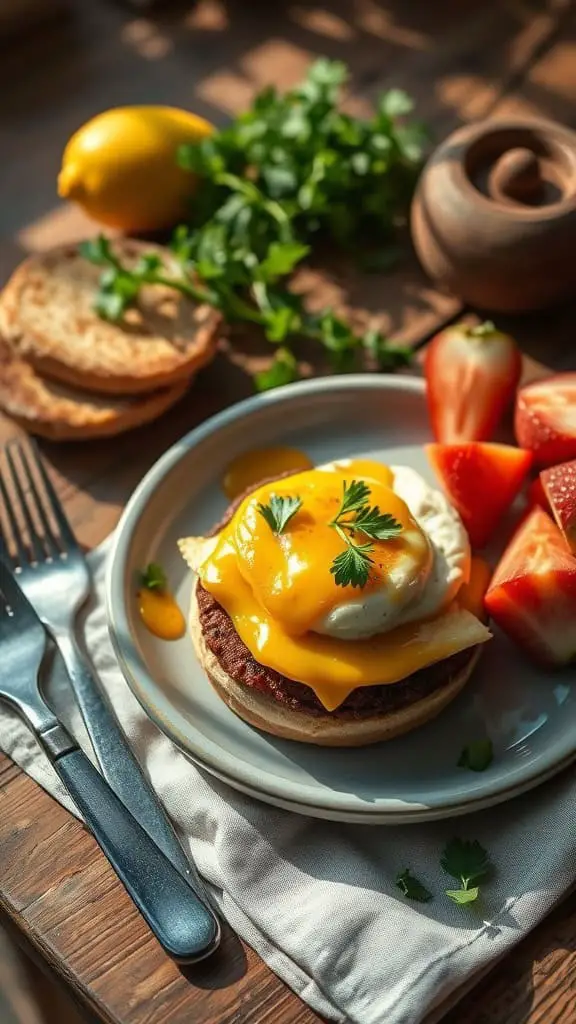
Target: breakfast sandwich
335	606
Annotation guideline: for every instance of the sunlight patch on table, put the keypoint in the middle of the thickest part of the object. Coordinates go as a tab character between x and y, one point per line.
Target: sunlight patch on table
146	39
323	23
207	16
65	223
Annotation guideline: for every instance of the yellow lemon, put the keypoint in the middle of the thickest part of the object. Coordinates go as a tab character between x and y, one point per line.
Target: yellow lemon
121	166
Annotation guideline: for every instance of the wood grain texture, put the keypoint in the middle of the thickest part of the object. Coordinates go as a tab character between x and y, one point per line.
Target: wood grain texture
460	61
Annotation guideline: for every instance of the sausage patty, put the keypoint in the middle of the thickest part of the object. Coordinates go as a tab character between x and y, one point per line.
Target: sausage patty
237	661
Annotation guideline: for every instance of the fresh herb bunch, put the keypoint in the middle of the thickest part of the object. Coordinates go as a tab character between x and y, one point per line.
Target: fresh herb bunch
291	171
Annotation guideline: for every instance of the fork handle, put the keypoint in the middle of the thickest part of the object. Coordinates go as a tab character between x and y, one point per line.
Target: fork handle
185	926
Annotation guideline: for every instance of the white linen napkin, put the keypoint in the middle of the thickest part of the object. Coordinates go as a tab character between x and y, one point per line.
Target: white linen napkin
316	899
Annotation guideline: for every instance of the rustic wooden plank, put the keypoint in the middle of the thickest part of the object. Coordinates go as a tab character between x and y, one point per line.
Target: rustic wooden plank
452	59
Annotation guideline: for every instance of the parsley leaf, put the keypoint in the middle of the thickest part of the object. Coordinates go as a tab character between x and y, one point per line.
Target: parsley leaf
386	355
377	525
153	577
412	888
352	566
477	755
354	496
281	259
470	863
279	511
283	370
97	250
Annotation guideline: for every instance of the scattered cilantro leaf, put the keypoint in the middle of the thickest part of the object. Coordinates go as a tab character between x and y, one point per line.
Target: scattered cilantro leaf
281	259
412	888
283	370
395	103
97	250
279	511
386	355
153	577
465	859
477	755
110	306
463	896
470	863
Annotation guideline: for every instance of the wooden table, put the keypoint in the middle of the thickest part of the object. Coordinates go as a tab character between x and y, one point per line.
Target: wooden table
461	61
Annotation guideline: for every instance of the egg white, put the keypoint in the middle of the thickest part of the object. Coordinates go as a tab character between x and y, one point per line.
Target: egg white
408	594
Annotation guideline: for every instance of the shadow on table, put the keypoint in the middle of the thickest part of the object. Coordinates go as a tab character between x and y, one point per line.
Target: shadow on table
225	967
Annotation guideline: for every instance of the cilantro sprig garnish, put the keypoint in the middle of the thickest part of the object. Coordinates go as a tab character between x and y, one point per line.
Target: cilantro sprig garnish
477	755
468	862
292	172
352	567
153	577
412	888
279	511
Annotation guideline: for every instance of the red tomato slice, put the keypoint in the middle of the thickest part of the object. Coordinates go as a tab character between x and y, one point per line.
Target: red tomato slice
532	595
545	419
481	481
559	486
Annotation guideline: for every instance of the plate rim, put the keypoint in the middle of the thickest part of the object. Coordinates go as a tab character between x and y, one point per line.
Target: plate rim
342	806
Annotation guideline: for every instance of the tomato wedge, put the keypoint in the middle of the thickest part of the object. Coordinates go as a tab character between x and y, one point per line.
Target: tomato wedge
532	595
545	419
559	486
481	481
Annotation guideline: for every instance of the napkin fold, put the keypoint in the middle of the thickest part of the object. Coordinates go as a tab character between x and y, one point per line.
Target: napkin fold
317	899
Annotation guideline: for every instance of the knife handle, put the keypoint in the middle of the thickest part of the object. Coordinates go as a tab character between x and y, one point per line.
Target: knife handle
184	925
117	763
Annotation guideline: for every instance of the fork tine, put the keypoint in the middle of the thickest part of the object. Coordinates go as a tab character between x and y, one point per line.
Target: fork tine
13	603
66	535
21	553
50	538
16	484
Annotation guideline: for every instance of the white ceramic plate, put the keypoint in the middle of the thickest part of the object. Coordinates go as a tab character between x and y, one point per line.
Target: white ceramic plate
530	716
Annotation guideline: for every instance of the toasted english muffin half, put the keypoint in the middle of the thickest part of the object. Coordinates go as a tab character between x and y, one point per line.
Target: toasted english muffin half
47	317
62	413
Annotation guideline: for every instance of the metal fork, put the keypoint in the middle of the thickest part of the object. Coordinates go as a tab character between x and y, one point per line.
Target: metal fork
54	575
186	929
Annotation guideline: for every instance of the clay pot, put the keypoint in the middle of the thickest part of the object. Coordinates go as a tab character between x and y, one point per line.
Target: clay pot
494	215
